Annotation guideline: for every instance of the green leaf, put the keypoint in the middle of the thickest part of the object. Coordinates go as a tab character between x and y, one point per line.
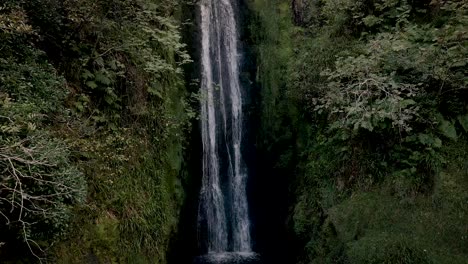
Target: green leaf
109	99
154	91
407	102
437	143
79	106
113	65
100	61
113	126
100	77
447	129
430	140
371	21
91	84
425	139
458	64
87	75
463	120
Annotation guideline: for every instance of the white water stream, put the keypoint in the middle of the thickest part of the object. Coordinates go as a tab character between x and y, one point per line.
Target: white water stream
223	210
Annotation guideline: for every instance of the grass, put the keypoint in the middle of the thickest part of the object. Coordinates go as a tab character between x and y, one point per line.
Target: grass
378	227
133	203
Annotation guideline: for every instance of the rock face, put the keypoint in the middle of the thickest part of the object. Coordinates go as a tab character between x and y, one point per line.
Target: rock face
305	12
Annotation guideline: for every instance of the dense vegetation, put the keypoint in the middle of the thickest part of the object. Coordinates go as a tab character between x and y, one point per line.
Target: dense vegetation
93	118
363	139
365	112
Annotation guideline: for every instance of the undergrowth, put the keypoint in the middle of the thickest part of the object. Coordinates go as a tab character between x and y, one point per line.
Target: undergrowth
369	118
101	85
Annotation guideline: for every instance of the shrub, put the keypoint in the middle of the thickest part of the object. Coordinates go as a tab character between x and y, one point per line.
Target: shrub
38	183
37	187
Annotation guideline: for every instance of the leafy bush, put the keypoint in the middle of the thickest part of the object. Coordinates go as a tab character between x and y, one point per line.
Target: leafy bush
37	188
397	89
380	88
39	184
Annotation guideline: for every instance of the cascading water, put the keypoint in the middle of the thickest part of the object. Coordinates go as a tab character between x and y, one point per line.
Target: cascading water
223	219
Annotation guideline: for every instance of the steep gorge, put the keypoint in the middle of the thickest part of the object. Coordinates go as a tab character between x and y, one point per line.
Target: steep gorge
304	131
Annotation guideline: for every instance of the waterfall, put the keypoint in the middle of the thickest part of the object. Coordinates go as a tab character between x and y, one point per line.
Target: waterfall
223	219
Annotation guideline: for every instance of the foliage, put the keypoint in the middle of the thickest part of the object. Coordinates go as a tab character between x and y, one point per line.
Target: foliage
39	183
380	90
92	91
38	186
383	249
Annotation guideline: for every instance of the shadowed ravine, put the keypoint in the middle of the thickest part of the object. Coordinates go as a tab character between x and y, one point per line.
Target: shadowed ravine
223	219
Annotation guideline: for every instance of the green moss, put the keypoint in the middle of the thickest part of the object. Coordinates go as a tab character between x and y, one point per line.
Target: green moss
387	249
377	226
